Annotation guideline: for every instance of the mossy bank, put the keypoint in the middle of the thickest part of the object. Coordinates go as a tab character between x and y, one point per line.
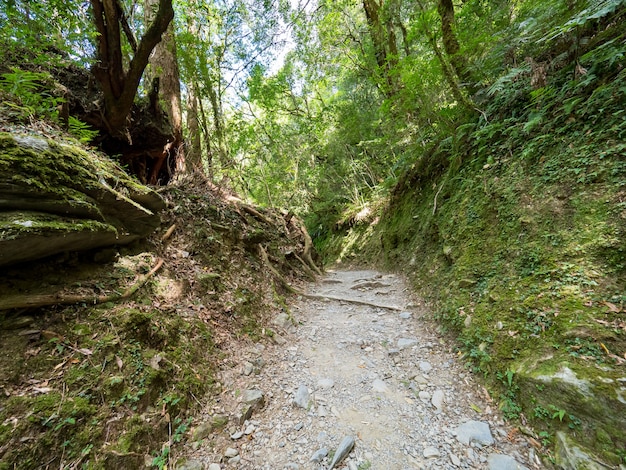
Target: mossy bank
117	384
515	229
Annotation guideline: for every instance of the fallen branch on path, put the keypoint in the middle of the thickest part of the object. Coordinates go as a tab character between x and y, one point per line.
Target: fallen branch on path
44	300
352	301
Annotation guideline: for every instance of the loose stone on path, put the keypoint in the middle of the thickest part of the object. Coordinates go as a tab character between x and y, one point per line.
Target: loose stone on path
474	431
325	383
342	451
437	399
425	366
431	452
503	462
302	397
404	343
380	386
344	371
319	455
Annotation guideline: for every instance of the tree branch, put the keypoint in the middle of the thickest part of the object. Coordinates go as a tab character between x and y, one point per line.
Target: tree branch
126	27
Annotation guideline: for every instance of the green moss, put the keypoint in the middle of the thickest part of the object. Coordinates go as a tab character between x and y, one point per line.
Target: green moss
530	243
14	223
56	420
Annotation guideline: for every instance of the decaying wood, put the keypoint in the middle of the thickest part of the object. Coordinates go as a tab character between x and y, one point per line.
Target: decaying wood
352	301
44	300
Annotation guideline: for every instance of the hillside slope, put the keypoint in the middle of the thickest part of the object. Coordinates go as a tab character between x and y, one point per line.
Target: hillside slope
113	379
515	229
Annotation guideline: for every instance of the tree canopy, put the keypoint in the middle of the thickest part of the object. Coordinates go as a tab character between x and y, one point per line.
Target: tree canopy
487	134
312	104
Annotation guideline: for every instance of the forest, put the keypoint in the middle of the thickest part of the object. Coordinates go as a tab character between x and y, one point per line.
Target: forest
226	151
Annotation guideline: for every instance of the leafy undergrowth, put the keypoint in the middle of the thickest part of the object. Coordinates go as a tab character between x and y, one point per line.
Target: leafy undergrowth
515	230
115	385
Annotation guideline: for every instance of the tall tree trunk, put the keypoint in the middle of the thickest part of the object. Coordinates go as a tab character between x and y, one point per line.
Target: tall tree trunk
384	41
405	37
119	85
451	44
207	139
446	68
218	122
164	66
193	154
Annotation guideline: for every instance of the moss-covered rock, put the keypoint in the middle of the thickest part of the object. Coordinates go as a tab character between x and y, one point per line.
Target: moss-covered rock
586	401
57	197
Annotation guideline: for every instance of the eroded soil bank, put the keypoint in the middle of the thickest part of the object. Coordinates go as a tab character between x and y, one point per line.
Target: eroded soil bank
373	367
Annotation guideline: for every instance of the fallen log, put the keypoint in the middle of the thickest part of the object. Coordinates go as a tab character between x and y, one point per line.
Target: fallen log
45	300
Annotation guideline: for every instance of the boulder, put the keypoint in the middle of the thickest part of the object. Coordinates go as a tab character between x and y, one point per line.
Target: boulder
592	401
57	197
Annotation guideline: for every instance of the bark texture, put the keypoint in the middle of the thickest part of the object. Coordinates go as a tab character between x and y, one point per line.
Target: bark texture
193	154
451	44
118	84
164	68
383	36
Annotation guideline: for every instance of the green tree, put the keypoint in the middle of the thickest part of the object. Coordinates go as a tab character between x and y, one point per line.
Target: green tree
119	83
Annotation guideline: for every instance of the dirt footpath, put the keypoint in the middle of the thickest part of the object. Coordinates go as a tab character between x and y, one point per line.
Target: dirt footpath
359	379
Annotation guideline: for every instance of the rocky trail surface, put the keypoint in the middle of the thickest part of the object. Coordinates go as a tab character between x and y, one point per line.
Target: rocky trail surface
361	383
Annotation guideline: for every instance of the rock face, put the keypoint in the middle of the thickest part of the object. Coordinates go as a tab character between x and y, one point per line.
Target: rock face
58	197
592	400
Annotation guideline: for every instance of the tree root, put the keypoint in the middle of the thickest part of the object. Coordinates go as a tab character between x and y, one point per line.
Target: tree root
352	301
169	232
308	245
44	300
276	274
255	213
309	272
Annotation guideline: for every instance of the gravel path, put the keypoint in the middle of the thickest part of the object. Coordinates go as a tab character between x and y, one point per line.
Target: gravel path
378	379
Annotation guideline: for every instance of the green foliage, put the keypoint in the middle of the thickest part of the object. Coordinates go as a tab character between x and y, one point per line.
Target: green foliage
597	10
162	460
512	226
509	400
81	130
46	33
29	98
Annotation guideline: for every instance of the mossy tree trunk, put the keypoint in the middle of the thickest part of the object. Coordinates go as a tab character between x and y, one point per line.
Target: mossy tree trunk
384	41
223	152
446	68
164	67
193	155
452	46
